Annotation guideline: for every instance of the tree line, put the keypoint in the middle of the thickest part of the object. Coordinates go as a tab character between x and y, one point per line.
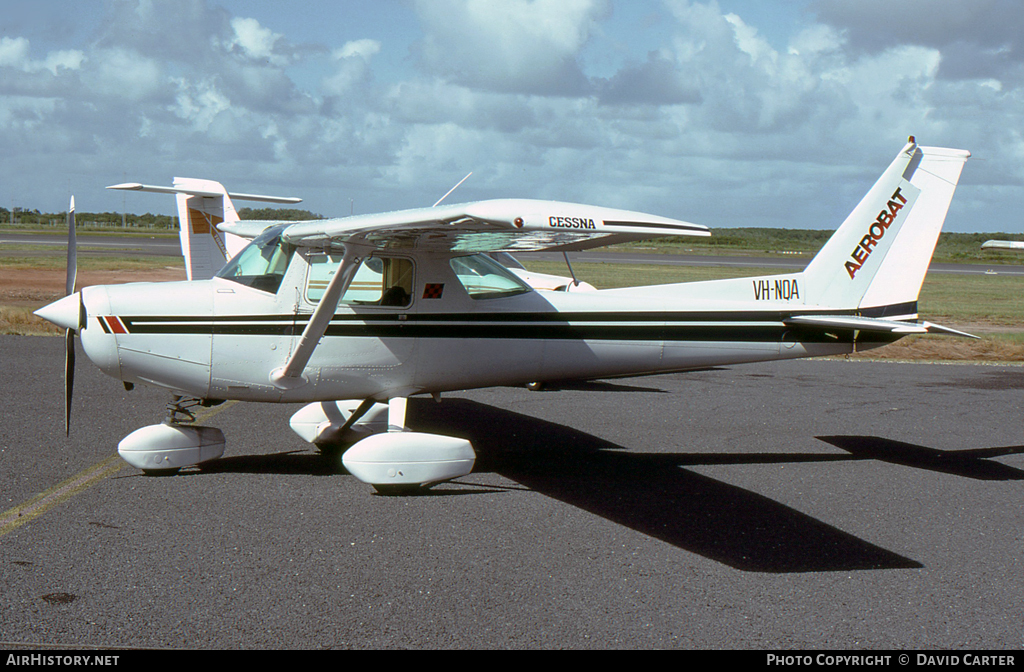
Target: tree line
24	217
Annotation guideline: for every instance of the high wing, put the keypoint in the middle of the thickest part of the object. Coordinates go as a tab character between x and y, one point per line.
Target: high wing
507	225
485	226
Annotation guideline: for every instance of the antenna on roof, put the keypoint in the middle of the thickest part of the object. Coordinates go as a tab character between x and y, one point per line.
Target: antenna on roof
451	190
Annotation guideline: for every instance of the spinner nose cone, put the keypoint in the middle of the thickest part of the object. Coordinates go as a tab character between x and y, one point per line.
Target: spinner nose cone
66	313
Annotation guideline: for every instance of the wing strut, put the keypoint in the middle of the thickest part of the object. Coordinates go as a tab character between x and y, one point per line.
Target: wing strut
575	282
290	376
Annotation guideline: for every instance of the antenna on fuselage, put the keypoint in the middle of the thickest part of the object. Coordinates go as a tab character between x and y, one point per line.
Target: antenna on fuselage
451	190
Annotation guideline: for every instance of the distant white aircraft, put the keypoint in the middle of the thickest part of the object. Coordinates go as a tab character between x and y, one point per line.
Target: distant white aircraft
352	316
1002	245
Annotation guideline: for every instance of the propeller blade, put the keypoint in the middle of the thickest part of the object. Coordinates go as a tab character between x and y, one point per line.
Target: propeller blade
69	334
69	377
72	251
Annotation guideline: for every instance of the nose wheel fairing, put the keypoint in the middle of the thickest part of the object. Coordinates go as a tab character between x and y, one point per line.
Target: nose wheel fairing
169	447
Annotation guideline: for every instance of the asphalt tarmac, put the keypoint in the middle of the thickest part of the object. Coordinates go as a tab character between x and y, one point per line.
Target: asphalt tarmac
791	505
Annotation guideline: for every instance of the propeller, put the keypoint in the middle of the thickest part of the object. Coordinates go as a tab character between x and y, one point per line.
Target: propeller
69	333
68	312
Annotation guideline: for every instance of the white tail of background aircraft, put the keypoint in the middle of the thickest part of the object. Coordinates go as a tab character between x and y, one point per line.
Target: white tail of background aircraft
202	206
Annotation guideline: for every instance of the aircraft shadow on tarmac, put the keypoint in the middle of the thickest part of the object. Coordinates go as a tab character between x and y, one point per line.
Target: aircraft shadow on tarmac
650	493
653	493
966	463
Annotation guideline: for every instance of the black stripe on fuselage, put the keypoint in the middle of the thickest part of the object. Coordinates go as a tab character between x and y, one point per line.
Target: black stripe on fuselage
737	326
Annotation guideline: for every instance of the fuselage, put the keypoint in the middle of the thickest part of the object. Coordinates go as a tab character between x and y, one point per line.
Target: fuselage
452	329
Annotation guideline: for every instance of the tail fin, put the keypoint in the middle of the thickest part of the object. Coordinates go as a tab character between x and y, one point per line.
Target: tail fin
202	205
205	248
877	259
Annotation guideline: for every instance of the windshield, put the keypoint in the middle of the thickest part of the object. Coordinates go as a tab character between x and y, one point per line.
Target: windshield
262	264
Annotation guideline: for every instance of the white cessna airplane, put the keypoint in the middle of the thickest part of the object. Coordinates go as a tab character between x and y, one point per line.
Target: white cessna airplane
354	315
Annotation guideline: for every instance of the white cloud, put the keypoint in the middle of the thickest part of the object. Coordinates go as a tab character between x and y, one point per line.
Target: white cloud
748	42
514	45
199	103
981	40
694	112
257	42
364	49
352	66
123	74
815	40
15	53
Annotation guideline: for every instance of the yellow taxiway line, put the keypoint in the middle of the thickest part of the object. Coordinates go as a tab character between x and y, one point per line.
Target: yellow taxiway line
14	518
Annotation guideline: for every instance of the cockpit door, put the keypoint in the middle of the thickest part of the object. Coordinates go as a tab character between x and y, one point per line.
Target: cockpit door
367	347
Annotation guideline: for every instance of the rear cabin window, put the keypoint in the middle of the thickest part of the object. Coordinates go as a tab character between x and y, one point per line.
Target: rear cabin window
379	281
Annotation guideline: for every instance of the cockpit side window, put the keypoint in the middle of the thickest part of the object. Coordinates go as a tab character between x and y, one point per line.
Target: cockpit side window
262	264
484	278
379	281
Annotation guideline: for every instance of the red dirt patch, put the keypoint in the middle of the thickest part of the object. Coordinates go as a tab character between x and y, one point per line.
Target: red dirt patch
33	287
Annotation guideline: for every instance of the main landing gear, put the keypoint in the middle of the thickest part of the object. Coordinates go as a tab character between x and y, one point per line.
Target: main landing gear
384	452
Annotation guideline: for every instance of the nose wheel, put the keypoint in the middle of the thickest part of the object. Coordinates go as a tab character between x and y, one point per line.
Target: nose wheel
163	449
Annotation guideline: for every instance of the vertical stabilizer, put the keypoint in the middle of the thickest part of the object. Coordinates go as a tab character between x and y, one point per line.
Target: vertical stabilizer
202	206
205	248
879	256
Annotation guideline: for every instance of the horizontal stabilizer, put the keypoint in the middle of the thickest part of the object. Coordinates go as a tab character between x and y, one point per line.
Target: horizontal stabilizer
872	324
249	228
939	329
203	206
135	186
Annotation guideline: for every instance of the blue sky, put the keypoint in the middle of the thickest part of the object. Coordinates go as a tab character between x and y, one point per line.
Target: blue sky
728	113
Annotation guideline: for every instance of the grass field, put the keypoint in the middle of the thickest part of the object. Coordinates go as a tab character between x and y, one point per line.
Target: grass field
951	247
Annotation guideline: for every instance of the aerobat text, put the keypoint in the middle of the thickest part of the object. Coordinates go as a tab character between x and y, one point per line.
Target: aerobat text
875	232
